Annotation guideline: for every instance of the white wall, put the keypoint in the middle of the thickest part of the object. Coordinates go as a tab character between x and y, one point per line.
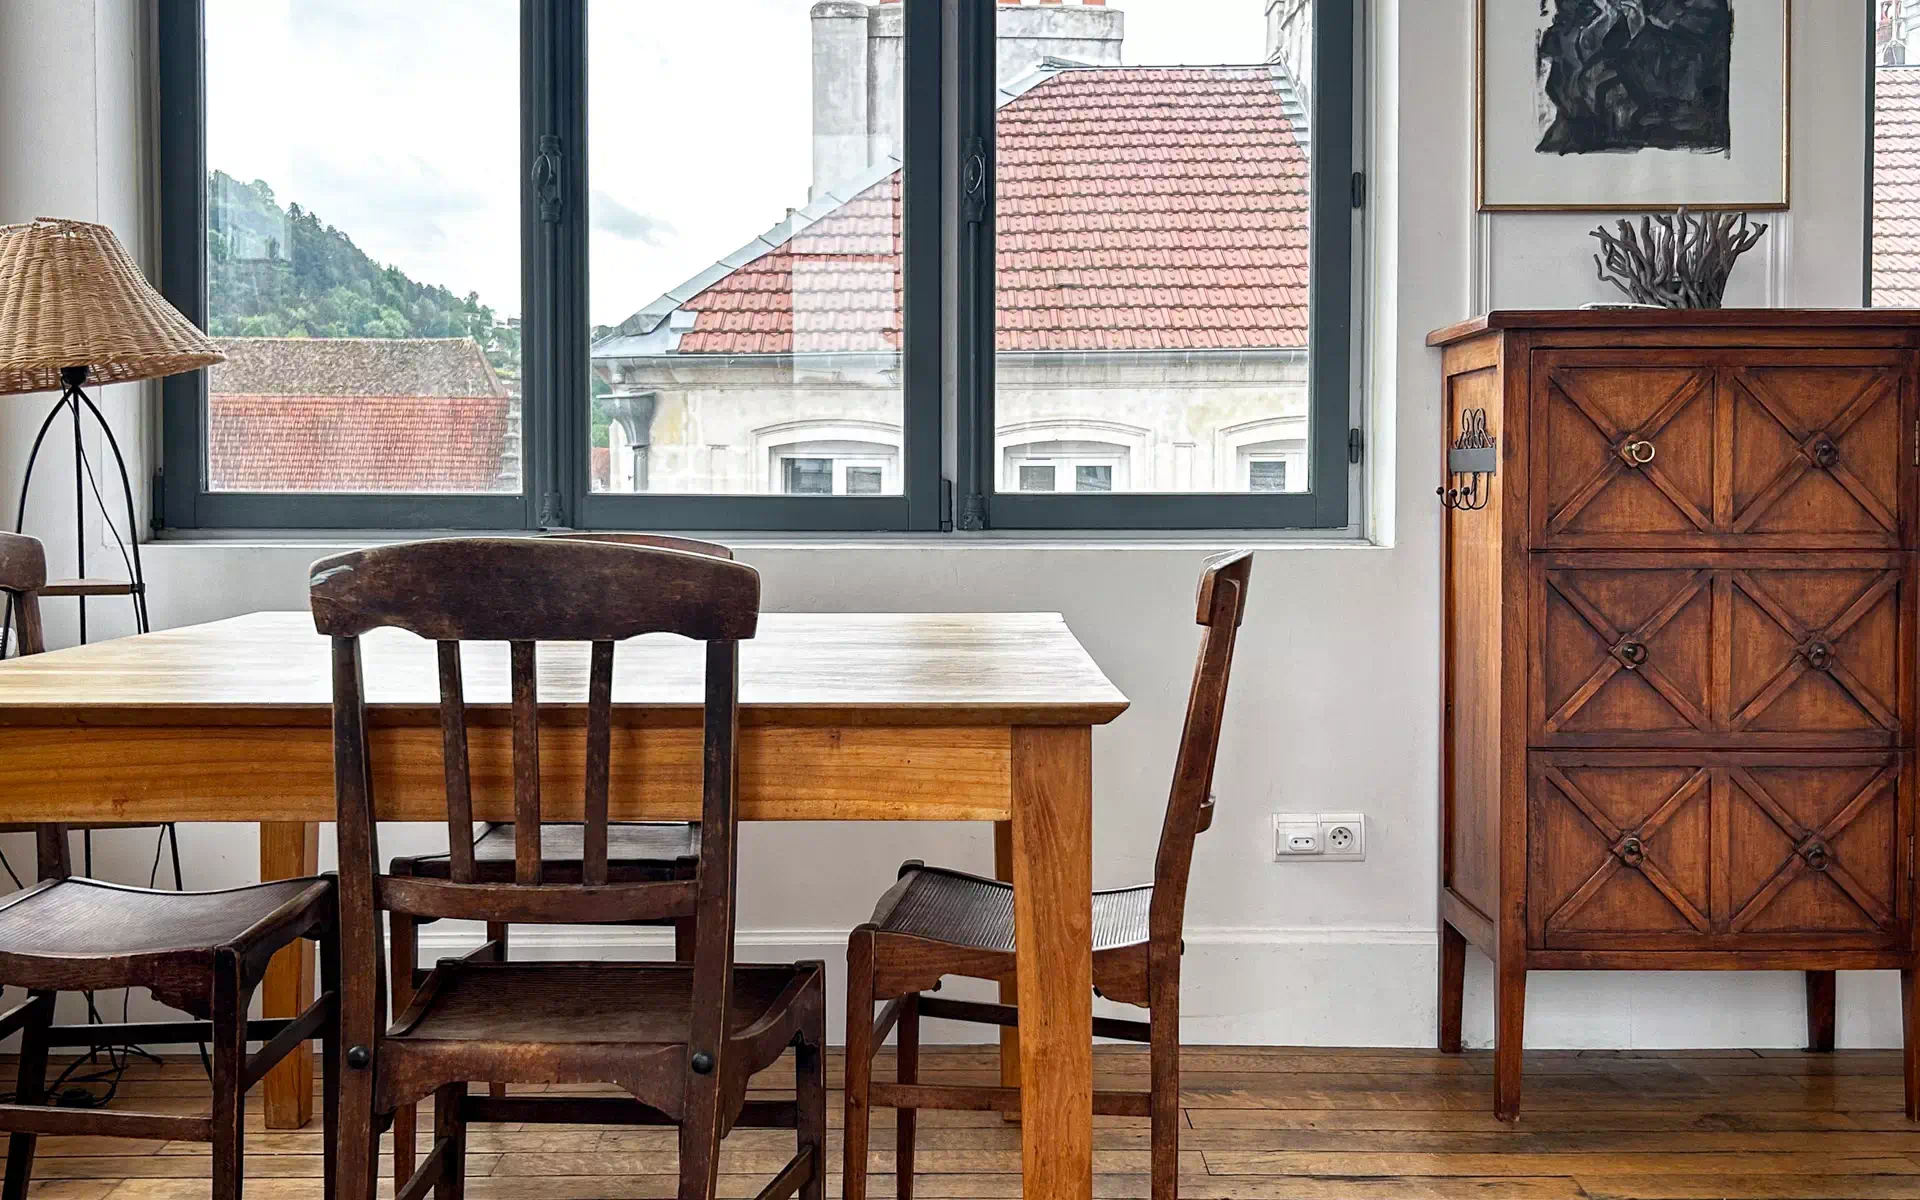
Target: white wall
73	112
1334	704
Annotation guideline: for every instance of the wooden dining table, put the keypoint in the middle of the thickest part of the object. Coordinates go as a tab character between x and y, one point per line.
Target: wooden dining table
844	717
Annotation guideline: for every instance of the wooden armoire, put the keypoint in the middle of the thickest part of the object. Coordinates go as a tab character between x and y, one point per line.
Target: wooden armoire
1679	656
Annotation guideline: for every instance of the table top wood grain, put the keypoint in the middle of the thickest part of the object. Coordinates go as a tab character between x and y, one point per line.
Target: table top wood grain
271	668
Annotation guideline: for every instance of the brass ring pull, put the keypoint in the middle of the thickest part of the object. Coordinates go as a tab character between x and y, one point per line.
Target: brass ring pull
1818	653
1825	453
1639	453
1817	856
1631	852
1630	652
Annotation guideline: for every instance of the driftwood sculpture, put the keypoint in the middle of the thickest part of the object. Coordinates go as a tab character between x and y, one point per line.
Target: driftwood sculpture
1681	260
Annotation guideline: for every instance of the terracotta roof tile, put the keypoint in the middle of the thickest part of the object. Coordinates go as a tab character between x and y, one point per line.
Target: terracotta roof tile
425	415
1139	209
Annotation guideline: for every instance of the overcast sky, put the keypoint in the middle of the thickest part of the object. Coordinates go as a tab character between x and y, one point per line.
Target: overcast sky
397	123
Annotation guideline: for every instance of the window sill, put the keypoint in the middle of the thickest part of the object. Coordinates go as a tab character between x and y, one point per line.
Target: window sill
1259	539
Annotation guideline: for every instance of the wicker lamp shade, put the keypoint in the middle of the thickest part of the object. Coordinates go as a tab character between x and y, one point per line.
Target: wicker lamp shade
71	296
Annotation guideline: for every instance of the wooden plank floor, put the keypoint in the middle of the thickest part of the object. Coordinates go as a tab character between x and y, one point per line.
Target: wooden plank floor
1262	1124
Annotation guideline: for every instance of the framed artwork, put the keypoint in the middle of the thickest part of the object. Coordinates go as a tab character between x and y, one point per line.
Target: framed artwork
1632	104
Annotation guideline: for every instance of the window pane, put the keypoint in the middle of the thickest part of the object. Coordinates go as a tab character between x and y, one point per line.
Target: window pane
363	246
1152	224
864	481
745	241
1036	479
1267	475
1896	154
809	476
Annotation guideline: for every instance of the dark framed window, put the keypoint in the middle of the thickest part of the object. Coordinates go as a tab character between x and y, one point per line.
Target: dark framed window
749	287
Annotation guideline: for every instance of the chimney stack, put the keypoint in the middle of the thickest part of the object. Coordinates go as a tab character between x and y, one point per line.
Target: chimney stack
1081	31
841	79
1290	43
859	64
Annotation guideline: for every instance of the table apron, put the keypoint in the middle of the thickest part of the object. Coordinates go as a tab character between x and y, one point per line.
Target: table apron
285	773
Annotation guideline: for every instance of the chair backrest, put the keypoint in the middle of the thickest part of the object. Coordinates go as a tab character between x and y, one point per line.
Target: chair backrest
522	591
23	572
1222	605
657	541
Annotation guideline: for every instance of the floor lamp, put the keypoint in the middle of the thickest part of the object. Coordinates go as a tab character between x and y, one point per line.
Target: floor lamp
74	310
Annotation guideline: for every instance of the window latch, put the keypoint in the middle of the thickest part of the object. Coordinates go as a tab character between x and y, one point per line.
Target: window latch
546	178
973	181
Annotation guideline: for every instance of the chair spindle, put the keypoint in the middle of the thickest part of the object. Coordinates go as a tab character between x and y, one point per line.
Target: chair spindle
593	861
453	749
526	765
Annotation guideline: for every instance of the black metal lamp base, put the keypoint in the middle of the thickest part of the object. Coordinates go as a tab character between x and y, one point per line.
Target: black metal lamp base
73	398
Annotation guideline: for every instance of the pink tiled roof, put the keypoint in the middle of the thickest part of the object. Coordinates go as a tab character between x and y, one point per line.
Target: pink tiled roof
1139	209
1896	187
355	414
833	287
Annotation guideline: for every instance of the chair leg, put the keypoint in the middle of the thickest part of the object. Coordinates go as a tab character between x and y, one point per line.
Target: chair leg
330	1069
907	1070
700	1141
404	954
30	1088
859	1081
1163	1100
448	1125
497	934
229	1077
810	1092
1453	986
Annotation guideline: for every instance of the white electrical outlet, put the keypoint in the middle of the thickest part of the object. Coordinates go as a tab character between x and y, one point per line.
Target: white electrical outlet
1338	836
1296	835
1343	836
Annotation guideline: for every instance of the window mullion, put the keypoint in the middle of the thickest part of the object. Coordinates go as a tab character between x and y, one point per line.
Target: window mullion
974	315
554	266
922	197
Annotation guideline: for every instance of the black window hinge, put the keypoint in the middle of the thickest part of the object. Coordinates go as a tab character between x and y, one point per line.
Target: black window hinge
973	181
1356	445
156	503
1359	186
946	506
546	178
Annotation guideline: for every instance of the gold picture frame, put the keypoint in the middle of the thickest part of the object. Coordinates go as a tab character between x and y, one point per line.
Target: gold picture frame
1481	203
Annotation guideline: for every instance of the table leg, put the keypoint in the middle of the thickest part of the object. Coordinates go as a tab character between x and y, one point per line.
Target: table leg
1053	934
1009	991
288	850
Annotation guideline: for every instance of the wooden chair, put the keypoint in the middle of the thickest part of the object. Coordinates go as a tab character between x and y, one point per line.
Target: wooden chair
682	1039
934	923
22	557
201	952
637	852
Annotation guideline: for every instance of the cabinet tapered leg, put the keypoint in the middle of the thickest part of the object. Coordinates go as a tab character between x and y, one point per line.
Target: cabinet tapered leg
1509	1020
1820	1002
1453	986
1910	1040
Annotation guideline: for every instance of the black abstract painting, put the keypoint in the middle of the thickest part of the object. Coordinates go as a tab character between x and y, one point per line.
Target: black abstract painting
1616	76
